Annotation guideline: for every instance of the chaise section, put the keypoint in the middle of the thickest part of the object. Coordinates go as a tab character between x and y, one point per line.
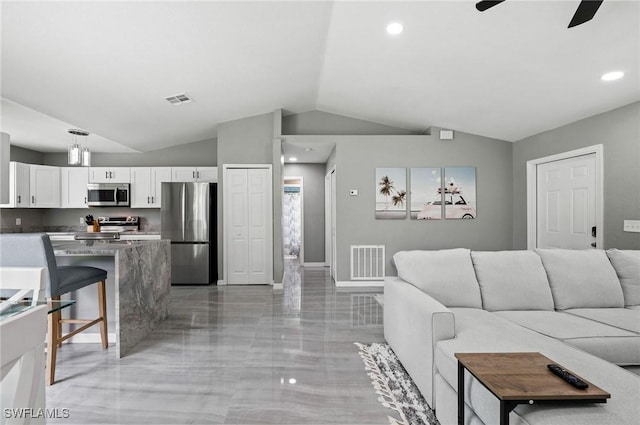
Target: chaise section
623	318
478	331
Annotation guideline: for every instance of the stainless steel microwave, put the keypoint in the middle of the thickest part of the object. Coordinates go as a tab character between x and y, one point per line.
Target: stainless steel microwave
108	194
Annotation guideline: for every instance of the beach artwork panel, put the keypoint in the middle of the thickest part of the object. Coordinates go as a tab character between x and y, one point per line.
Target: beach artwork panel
460	193
426	193
391	193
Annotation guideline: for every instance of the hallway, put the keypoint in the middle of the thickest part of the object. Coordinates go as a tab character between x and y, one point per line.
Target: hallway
235	355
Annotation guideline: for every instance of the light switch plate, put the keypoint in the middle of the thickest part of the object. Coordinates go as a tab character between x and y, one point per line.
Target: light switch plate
632	226
18	221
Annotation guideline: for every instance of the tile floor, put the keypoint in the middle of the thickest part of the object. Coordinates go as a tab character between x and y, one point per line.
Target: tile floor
235	355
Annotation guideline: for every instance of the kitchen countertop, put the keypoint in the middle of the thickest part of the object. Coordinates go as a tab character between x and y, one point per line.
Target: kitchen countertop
98	247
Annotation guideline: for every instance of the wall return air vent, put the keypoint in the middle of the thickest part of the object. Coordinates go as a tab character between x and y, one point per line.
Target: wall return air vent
178	99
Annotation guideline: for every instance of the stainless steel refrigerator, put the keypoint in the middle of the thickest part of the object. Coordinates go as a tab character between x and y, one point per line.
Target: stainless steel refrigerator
189	219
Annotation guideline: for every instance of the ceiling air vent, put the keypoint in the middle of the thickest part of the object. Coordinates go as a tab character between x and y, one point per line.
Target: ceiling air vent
178	99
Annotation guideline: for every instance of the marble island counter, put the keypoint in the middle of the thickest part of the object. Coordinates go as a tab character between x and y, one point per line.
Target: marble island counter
138	285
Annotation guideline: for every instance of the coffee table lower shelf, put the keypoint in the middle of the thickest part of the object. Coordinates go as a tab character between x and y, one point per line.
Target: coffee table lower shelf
520	378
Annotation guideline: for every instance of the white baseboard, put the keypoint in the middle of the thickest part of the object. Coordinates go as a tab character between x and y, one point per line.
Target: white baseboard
90	338
277	286
313	265
359	283
221	283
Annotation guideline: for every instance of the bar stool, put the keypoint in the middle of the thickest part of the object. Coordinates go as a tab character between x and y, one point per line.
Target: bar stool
35	250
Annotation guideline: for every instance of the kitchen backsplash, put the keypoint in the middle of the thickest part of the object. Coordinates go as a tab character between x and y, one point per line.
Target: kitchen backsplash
68	220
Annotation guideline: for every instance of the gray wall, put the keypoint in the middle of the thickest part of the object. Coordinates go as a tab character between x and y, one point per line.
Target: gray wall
313	207
319	122
201	153
246	141
356	160
27	156
619	132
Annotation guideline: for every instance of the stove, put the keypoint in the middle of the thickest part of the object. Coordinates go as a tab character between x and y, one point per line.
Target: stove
119	224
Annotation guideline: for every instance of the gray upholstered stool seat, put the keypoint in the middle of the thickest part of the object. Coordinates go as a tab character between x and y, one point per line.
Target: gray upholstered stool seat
72	278
35	250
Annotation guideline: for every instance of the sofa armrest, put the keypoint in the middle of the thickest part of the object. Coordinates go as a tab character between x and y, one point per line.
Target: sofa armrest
414	322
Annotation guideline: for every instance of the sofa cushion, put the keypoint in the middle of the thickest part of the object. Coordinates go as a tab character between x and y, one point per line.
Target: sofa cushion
581	278
623	318
445	275
627	266
512	280
613	344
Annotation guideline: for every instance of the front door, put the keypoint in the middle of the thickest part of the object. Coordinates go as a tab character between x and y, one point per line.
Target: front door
566	203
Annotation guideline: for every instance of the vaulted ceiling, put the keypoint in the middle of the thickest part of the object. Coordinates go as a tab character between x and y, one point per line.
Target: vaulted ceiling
106	67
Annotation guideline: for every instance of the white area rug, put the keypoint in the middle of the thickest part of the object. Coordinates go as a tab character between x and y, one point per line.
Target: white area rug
395	387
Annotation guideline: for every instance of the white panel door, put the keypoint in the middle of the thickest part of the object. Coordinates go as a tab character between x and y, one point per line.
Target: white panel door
566	203
248	225
259	205
237	226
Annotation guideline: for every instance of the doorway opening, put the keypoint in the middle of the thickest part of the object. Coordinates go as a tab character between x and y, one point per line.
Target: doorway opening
293	219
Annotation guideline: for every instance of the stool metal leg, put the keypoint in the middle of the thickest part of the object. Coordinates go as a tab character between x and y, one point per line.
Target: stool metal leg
102	306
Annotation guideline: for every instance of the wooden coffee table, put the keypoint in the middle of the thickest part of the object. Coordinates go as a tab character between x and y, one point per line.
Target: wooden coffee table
520	378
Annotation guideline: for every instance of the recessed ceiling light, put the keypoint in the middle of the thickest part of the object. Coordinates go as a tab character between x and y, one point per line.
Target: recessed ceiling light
394	28
308	149
293	159
610	76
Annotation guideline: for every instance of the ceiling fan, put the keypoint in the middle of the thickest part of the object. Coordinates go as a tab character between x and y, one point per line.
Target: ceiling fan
585	11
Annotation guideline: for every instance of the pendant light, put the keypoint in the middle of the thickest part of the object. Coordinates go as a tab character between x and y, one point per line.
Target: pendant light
78	155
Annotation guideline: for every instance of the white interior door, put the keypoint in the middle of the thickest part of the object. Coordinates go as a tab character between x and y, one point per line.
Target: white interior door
260	245
566	203
237	223
248	217
327	220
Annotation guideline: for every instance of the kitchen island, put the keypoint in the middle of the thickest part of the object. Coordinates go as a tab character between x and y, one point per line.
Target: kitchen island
138	286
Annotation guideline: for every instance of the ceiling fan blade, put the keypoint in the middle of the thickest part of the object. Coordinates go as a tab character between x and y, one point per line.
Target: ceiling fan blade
487	4
585	12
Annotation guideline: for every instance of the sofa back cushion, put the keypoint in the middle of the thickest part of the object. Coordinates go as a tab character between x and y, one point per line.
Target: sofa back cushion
512	280
627	266
581	278
445	275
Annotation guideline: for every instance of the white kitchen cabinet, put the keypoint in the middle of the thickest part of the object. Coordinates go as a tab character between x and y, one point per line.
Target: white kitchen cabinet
195	174
109	175
44	186
73	187
18	186
146	186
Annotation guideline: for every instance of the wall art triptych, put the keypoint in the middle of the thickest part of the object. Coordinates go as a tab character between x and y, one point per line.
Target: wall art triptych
433	193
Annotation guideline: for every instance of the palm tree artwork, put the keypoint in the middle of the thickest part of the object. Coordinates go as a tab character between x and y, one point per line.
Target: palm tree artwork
399	198
386	188
391	193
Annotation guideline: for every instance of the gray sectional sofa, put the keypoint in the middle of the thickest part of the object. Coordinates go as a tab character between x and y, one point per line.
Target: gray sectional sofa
580	308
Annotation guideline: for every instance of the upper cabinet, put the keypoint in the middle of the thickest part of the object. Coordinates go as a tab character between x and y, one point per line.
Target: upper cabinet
195	174
73	187
109	175
18	186
146	184
44	186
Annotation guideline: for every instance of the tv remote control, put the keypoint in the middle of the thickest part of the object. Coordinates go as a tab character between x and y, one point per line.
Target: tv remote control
568	376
